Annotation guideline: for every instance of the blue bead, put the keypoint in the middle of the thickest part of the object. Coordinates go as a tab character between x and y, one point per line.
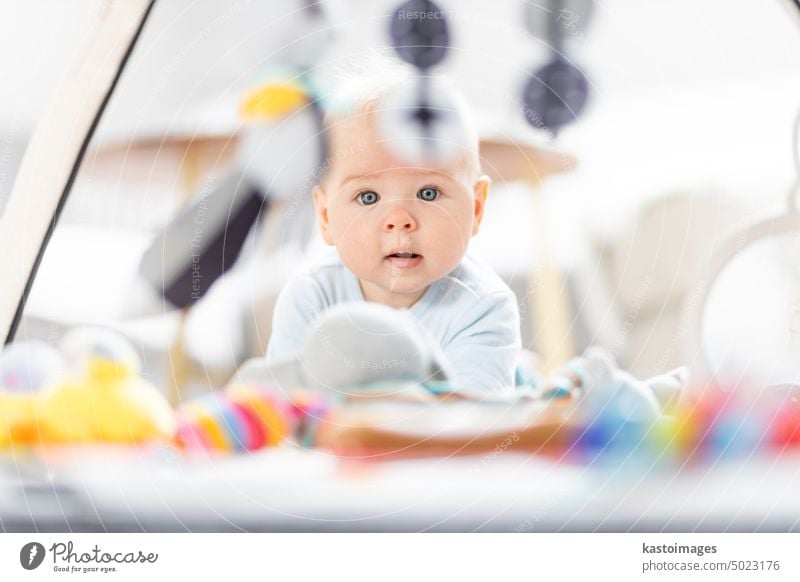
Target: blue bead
610	433
555	95
419	34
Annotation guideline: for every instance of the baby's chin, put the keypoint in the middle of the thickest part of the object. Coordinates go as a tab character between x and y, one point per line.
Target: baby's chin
406	285
399	283
403	280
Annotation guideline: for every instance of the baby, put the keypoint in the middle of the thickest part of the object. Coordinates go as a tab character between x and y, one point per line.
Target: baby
400	232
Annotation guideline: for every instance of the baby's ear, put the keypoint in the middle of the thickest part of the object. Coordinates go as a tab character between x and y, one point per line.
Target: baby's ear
480	193
321	209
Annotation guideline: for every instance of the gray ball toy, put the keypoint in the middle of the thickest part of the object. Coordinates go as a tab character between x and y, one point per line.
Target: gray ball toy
352	345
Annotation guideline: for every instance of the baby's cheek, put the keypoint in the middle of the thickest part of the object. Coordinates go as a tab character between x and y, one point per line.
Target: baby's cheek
357	254
349	231
450	246
454	237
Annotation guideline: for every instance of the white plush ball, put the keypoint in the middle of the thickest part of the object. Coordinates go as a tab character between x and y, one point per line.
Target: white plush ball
27	366
305	32
83	344
357	343
434	133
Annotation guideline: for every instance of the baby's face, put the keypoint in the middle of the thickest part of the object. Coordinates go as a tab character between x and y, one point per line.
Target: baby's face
397	227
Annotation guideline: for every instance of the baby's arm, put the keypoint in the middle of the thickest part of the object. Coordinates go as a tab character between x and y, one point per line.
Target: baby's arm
299	304
483	351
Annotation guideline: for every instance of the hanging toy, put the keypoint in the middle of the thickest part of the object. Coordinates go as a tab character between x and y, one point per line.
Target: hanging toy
419	33
572	16
556	94
281	147
423	124
281	151
306	30
421	119
283	141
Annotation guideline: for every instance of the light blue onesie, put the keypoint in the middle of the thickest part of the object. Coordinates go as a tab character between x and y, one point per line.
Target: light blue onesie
471	313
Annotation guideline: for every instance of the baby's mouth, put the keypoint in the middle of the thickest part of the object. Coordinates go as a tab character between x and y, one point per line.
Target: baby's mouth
404	260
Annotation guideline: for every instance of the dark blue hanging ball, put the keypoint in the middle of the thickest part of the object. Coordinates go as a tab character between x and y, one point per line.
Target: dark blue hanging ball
419	33
555	95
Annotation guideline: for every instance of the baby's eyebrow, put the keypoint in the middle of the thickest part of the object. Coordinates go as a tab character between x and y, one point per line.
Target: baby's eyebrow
416	170
353	178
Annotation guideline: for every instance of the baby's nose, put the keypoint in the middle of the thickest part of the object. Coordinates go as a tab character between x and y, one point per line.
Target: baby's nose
399	218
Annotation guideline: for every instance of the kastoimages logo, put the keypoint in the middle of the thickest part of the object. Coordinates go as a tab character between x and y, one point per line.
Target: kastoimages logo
31	555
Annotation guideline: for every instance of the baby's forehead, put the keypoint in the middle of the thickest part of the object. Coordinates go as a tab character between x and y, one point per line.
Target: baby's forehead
358	148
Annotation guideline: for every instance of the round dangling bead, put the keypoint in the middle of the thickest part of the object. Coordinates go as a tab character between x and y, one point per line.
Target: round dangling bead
555	95
419	33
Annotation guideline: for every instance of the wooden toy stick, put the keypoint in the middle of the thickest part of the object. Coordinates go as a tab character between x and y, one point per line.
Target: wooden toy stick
55	151
550	310
506	161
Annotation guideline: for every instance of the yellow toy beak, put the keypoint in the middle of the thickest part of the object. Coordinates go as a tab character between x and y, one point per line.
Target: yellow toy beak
273	101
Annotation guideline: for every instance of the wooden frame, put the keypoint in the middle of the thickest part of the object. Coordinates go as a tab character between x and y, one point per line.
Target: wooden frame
57	147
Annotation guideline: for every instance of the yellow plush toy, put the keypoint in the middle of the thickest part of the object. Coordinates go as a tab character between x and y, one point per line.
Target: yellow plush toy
18	418
101	399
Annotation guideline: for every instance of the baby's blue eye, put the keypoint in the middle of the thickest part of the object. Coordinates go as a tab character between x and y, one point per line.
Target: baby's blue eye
369	197
428	194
